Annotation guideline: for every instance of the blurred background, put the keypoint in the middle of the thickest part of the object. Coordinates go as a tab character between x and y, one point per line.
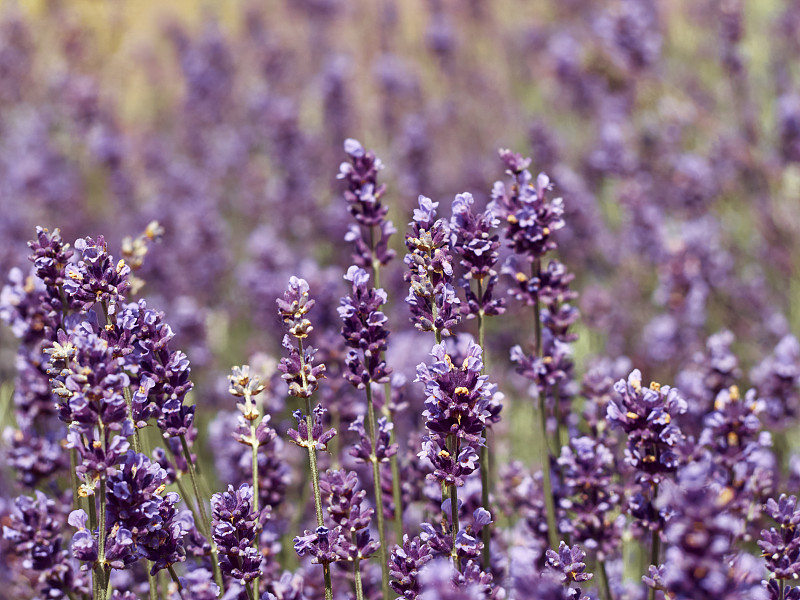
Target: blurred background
671	129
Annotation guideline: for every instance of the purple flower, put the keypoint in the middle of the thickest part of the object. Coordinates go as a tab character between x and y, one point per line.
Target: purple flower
456	412
781	548
298	368
647	416
32	531
364	330
96	278
531	218
319	437
234	528
567	564
364	201
346	511
587	472
405	563
701	533
362	450
473	238
777	379
325	545
431	297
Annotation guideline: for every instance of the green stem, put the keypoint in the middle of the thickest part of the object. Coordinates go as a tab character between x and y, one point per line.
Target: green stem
397	496
92	527
73	476
357	569
203	515
552	530
137	441
177	581
655	549
486	532
101	540
152	592
376	476
601	573
312	462
544	447
452	442
254	443
782	584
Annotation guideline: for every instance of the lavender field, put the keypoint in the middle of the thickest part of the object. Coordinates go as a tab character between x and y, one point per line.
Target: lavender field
400	299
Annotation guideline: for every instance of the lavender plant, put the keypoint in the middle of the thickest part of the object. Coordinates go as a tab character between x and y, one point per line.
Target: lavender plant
676	154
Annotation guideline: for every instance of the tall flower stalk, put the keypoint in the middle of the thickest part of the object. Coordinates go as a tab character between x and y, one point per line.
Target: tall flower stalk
365	334
245	385
302	376
474	240
370	236
531	221
457	404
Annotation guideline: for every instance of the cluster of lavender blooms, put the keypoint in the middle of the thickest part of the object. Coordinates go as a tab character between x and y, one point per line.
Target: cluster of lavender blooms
114	508
328	469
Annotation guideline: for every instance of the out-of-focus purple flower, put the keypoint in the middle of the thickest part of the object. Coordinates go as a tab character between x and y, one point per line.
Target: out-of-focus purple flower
364	201
707	374
362	450
439	580
589	493
234	528
364	330
346	510
700	534
198	584
32	532
781	548
777	379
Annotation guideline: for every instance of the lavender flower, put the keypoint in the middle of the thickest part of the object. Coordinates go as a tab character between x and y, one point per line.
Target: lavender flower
363	197
345	509
431	297
234	528
473	239
700	533
405	564
364	330
646	415
96	278
781	548
455	412
298	368
531	218
587	470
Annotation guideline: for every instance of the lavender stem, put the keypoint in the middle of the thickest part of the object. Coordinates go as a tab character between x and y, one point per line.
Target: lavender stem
376	475
203	515
357	570
486	532
312	462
